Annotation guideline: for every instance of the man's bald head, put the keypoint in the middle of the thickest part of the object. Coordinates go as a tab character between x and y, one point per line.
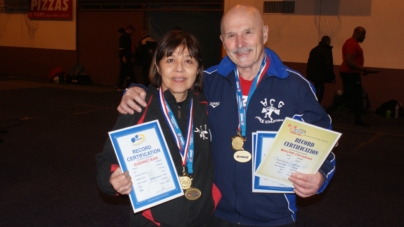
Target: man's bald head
242	11
244	35
359	34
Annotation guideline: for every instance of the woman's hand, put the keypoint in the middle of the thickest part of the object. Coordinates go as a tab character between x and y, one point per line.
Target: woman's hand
121	182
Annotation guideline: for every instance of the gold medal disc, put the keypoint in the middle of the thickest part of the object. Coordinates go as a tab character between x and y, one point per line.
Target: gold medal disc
193	193
237	142
185	182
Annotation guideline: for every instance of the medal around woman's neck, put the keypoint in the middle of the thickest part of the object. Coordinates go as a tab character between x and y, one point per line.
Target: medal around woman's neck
185	146
186	183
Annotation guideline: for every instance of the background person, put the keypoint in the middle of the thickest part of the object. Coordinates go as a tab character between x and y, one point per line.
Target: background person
350	71
126	59
177	73
320	66
144	55
264	82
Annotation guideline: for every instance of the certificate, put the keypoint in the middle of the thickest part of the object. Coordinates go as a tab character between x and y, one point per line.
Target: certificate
297	147
262	141
142	150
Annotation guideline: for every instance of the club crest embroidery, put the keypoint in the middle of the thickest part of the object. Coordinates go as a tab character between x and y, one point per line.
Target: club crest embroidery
269	111
203	131
214	104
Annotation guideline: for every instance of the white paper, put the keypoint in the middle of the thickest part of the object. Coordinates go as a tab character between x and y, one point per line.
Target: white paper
142	150
262	142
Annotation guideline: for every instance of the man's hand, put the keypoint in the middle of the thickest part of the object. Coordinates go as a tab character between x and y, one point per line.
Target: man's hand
132	101
121	182
306	185
367	71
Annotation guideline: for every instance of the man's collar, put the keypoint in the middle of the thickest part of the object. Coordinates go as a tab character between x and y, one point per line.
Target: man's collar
276	67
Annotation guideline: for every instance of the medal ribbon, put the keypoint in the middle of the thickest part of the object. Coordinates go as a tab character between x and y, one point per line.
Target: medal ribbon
242	111
186	148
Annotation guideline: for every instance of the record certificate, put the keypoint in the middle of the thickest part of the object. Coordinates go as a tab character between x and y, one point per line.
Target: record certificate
297	147
262	140
142	150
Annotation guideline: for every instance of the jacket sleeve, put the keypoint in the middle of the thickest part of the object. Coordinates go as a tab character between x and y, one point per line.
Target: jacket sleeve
315	114
106	160
327	170
207	77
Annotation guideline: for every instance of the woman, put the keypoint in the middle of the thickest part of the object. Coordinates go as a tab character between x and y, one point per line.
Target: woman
177	73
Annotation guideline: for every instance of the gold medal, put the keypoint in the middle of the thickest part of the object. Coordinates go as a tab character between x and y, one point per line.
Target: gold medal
193	193
185	182
242	156
237	142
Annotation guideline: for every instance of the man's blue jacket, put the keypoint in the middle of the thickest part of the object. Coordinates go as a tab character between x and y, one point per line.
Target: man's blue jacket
290	95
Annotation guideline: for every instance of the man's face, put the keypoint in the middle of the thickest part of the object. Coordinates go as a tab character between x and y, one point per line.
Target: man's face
362	36
243	37
129	31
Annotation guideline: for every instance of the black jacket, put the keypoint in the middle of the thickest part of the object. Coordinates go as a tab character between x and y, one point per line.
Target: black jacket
180	211
145	51
125	46
320	67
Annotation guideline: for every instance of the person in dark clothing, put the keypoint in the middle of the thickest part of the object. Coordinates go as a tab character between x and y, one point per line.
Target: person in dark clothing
320	67
350	71
176	85
250	77
144	54
126	58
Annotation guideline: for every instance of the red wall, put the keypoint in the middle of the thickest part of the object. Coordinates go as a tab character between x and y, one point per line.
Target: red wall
34	62
98	42
97	49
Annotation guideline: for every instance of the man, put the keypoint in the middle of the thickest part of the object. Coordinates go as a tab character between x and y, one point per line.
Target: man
247	63
144	55
126	58
320	67
350	72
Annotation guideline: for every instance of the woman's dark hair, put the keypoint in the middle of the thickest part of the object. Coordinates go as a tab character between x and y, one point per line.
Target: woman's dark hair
166	47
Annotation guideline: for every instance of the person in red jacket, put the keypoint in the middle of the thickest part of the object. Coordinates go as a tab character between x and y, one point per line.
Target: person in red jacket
350	71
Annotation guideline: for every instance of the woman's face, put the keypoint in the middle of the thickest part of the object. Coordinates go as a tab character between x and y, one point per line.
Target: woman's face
178	72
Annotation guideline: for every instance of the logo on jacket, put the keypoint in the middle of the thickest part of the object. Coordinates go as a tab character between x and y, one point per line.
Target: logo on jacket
268	111
203	131
214	104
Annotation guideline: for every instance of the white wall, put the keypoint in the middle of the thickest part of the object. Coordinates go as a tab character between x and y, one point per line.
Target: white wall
17	30
293	35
